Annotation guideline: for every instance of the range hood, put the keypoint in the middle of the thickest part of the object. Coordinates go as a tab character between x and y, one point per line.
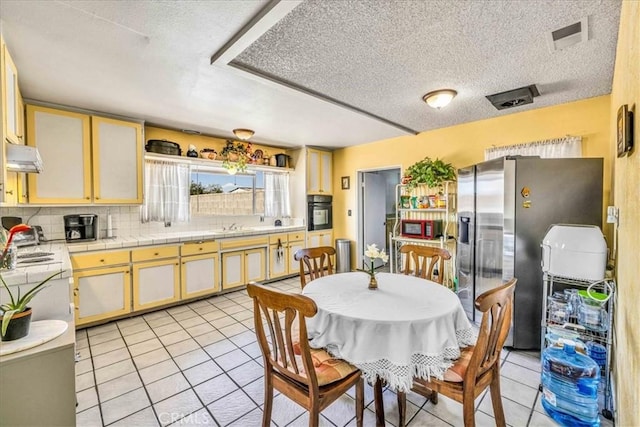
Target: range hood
23	158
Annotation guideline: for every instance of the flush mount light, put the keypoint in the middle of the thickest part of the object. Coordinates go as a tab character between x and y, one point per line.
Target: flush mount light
439	98
243	134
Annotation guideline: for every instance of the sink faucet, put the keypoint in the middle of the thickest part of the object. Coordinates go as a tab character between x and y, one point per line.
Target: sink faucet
232	226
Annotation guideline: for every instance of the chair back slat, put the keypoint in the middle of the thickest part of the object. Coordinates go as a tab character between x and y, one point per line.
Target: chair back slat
496	306
424	259
284	315
315	262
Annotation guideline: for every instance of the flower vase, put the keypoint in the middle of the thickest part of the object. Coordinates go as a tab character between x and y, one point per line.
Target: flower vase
373	283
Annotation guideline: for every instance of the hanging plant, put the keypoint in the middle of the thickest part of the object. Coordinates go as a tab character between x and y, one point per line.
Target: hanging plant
235	155
430	172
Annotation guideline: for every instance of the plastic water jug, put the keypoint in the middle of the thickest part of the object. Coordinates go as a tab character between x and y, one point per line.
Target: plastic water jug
570	387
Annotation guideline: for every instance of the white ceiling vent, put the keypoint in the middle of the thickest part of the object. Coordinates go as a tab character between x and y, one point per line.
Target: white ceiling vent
568	36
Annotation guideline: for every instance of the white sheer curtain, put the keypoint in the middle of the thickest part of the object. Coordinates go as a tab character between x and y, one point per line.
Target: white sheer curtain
276	194
570	146
166	192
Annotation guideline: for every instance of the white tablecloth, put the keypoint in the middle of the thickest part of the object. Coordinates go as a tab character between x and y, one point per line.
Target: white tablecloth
407	327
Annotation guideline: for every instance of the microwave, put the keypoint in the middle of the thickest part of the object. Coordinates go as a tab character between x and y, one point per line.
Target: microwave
422	228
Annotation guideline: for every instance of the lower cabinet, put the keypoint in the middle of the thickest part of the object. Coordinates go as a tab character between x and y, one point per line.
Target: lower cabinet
155	283
242	267
200	275
101	293
320	238
296	242
102	286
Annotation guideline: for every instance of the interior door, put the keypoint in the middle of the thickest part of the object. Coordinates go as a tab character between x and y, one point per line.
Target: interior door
374	210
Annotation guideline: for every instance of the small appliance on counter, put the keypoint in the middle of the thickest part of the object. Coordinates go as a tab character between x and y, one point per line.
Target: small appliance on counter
26	238
81	228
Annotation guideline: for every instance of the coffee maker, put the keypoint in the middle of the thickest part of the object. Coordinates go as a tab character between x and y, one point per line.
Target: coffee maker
81	228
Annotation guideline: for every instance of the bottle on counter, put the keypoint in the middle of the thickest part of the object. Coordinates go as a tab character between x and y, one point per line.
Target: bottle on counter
10	258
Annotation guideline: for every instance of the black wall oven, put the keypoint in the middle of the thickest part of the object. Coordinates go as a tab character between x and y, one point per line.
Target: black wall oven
319	213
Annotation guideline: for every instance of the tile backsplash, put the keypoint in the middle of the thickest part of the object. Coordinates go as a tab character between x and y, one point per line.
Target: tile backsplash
125	220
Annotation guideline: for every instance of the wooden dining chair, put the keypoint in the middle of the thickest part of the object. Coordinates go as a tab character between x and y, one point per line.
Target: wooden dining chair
315	262
425	259
310	377
479	365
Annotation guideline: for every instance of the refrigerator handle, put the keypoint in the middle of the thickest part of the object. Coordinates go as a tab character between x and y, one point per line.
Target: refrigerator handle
463	228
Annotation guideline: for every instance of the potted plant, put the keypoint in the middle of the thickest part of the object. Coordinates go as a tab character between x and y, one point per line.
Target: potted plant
430	172
16	316
235	155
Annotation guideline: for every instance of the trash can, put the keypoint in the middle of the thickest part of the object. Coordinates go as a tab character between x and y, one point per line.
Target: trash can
343	255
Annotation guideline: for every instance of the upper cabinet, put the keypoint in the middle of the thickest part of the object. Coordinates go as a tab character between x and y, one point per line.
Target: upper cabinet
11	126
11	100
319	172
87	159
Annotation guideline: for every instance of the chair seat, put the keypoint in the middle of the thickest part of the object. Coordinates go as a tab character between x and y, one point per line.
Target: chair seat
328	368
455	374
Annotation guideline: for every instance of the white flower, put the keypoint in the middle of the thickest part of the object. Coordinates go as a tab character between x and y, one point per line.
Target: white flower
373	252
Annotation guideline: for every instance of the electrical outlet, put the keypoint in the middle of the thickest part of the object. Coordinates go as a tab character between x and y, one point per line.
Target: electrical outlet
612	215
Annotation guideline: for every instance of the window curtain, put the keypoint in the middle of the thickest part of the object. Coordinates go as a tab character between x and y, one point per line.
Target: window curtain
276	195
166	192
570	146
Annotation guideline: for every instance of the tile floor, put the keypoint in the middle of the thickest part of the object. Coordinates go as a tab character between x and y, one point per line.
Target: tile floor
199	364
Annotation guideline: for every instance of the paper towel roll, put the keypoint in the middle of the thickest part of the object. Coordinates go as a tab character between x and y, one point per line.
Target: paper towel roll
109	226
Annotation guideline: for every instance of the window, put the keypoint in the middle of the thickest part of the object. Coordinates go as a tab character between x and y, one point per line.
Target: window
218	193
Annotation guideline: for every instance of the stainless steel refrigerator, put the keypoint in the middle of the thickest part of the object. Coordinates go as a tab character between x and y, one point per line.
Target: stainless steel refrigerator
505	207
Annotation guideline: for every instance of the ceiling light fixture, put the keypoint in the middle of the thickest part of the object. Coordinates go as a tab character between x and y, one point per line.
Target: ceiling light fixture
243	134
439	98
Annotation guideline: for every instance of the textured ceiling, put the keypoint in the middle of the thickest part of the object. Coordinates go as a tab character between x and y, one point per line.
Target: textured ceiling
151	60
383	56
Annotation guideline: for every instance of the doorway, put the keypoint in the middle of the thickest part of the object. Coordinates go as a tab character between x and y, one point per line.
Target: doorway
377	210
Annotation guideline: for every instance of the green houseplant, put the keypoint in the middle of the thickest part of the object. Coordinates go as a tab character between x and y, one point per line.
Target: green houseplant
430	172
17	310
235	155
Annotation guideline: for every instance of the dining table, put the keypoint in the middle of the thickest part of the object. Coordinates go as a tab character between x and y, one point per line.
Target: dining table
408	327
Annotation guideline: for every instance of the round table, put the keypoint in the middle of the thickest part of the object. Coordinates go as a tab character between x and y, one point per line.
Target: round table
407	327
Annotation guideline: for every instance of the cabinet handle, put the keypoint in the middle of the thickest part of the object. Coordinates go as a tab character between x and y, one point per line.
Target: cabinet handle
200	249
127	272
19	136
97	198
156	254
88	198
77	307
101	260
9	192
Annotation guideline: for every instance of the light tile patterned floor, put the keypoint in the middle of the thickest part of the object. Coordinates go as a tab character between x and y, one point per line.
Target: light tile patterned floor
199	364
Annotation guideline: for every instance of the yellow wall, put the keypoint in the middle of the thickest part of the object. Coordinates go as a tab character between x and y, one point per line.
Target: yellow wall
626	196
464	145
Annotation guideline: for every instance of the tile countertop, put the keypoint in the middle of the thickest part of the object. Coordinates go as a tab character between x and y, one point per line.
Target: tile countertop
177	237
34	273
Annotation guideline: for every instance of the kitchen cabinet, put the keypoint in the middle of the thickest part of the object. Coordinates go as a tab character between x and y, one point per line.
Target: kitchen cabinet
243	261
319	172
278	256
88	159
102	286
12	126
11	100
156	276
296	242
199	269
320	238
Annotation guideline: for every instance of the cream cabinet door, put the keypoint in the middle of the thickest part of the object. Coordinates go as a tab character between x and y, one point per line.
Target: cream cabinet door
117	161
101	293
155	283
233	269
320	238
254	264
10	104
294	266
63	140
313	172
199	275
278	262
326	172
